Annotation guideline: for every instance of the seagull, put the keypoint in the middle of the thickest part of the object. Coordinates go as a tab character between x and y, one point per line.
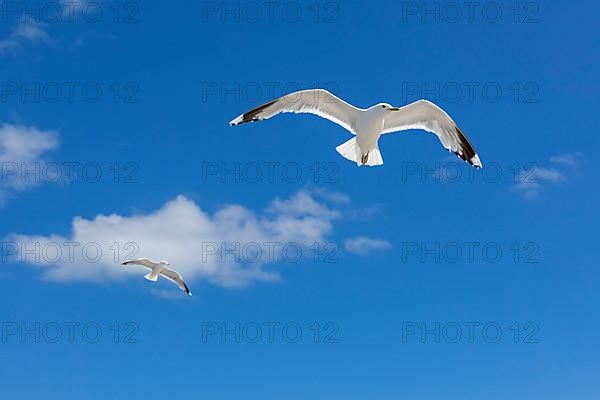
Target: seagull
369	124
157	269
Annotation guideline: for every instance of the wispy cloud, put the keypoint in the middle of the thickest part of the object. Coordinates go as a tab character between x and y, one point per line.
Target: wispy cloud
24	32
22	148
38	27
531	181
570	160
333	196
232	247
364	246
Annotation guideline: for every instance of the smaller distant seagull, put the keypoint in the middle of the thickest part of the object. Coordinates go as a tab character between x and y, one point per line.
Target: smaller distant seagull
157	269
369	124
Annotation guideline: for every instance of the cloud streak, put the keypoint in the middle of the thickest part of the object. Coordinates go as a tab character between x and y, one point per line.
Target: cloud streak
530	182
24	32
364	246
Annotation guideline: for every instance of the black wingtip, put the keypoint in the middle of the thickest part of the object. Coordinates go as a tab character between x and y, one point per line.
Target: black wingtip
468	153
187	290
252	115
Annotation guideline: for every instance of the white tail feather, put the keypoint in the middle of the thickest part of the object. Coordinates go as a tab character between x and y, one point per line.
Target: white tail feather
375	158
151	277
351	151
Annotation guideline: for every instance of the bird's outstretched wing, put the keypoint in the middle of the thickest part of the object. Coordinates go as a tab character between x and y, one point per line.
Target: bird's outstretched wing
141	261
316	101
177	279
425	115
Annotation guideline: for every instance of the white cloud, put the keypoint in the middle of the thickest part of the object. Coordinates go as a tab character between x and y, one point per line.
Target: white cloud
363	245
25	31
533	180
191	239
21	149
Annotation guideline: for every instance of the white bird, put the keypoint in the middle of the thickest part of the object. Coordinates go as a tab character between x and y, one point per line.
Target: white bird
369	124
157	269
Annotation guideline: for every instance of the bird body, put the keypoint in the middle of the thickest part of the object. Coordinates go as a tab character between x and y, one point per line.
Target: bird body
368	129
160	269
152	276
369	124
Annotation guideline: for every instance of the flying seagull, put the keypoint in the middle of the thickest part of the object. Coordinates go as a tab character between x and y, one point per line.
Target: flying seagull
160	268
369	124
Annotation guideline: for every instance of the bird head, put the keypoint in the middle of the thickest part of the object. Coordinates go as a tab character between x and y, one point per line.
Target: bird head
385	107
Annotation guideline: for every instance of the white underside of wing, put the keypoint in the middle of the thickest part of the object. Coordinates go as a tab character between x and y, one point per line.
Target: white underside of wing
143	262
426	116
323	114
317	102
176	279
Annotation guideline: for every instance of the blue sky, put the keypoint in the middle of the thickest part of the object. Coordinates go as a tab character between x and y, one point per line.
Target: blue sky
394	258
